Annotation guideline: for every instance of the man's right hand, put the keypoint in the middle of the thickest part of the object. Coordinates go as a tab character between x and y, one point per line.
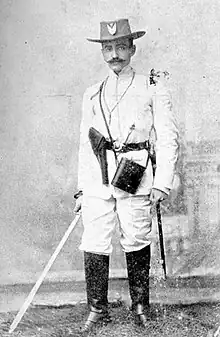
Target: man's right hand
78	205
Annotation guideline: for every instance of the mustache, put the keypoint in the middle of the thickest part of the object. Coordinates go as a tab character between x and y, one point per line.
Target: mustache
115	60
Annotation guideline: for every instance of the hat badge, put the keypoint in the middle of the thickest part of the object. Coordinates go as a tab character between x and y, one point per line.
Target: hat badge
112	28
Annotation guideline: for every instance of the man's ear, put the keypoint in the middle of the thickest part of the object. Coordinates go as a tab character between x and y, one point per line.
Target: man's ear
133	50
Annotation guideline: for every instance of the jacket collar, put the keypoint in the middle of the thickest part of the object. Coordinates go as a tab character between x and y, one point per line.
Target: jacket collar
126	73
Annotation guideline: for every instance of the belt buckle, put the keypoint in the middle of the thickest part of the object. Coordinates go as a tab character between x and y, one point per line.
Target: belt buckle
117	146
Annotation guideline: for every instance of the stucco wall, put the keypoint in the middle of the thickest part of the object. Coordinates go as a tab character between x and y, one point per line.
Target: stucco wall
45	65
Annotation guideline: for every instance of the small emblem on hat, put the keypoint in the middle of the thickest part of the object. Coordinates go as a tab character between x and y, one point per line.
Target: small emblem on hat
112	28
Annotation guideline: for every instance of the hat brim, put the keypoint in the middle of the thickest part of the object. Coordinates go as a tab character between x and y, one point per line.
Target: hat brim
134	36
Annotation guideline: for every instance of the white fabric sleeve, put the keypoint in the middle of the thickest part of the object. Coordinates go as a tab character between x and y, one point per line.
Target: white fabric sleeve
166	139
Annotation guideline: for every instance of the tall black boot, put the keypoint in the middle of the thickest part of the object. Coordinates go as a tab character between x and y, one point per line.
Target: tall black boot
138	265
96	275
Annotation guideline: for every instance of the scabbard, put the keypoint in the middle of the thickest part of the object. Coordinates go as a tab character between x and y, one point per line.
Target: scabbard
160	232
159	219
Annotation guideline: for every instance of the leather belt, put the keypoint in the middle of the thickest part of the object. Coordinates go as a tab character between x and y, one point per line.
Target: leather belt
135	146
123	148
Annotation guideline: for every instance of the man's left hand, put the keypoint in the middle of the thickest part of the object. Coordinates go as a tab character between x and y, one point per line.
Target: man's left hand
157	196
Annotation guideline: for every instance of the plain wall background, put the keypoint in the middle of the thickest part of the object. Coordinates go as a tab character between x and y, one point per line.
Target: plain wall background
46	63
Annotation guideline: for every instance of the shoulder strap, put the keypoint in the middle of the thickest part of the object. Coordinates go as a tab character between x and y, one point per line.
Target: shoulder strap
106	124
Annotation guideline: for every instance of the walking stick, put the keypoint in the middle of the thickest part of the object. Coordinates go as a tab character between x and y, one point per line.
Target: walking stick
32	293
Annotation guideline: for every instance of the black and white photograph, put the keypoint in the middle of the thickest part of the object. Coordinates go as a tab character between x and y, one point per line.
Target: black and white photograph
110	168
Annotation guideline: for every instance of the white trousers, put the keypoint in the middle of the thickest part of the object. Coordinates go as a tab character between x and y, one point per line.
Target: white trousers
100	217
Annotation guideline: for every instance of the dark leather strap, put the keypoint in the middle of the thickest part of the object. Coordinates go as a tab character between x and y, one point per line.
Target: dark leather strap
135	147
129	147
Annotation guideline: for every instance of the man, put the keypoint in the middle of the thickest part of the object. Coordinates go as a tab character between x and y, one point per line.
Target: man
125	109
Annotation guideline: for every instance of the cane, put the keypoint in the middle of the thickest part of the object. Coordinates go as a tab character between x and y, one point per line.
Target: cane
32	293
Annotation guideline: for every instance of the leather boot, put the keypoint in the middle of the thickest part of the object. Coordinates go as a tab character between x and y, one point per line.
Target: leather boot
96	276
138	265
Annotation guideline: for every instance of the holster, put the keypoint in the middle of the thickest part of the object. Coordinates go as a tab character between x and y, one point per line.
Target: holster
99	146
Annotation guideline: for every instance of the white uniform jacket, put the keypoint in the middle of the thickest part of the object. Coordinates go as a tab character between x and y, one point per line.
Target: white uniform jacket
128	100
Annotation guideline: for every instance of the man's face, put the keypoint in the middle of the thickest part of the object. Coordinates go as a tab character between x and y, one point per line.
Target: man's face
118	53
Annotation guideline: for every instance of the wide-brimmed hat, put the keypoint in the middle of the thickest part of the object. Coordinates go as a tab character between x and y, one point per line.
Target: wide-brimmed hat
113	30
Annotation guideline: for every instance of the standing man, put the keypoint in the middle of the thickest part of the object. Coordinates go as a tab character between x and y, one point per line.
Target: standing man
124	108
